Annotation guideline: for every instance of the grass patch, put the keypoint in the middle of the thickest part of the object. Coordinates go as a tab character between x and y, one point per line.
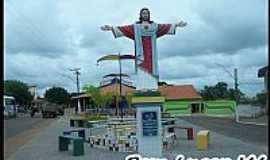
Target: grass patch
95	117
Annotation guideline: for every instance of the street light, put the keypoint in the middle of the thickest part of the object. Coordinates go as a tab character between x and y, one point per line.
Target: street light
118	57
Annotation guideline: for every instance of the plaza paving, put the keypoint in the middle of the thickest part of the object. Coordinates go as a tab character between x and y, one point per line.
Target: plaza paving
44	146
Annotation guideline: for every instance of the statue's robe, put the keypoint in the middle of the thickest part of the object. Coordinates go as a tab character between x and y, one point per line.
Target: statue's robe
145	46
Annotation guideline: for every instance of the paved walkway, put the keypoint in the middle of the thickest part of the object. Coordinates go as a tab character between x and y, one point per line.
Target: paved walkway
44	146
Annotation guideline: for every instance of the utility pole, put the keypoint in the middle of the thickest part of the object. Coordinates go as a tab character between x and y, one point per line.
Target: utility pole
235	78
236	85
236	96
120	87
77	72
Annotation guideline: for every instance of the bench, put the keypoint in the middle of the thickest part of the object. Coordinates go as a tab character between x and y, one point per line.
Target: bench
78	144
168	122
202	140
81	132
165	115
189	131
77	122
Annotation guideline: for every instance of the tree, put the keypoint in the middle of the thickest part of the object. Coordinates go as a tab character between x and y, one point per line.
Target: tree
161	83
103	99
57	95
220	91
208	93
95	94
19	90
260	99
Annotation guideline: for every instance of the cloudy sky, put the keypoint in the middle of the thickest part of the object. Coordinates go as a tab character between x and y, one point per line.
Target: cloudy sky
44	38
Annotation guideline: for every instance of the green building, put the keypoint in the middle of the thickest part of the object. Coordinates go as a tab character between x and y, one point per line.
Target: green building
185	100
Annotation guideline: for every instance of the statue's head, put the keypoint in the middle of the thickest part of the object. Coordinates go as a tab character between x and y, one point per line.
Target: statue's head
144	15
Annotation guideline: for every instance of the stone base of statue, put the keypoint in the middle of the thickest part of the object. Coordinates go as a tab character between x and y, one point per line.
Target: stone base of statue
149	127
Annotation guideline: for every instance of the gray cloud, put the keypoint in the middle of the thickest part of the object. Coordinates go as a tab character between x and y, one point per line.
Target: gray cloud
35	28
224	26
46	37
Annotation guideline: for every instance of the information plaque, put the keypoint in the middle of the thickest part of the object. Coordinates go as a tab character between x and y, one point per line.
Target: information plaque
149	123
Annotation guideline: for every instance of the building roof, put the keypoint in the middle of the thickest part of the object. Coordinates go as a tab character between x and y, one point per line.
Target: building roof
115	80
115	88
82	95
176	92
171	92
262	71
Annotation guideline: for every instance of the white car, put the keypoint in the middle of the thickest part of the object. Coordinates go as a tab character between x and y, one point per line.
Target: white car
9	106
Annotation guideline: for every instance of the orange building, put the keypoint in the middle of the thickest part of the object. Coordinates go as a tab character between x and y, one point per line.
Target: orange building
172	93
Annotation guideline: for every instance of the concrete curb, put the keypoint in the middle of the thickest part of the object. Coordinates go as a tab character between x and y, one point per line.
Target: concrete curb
252	123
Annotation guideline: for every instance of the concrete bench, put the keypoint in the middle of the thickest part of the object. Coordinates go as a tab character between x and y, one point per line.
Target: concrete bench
202	140
77	123
81	132
168	122
188	129
165	115
78	144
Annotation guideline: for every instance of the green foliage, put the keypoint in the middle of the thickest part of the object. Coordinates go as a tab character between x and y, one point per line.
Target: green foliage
103	99
19	90
57	95
129	99
260	99
94	117
99	98
111	96
220	91
95	94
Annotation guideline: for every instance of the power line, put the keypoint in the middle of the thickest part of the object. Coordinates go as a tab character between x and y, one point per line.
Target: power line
33	42
67	76
31	27
225	69
77	73
251	83
29	21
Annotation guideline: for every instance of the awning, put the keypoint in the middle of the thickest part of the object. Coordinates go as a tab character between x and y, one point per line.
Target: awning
81	96
262	71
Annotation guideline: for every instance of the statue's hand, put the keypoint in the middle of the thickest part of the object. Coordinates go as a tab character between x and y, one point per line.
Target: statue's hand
106	28
181	24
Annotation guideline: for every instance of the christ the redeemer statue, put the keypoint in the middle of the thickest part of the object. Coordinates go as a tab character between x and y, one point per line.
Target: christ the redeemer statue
145	33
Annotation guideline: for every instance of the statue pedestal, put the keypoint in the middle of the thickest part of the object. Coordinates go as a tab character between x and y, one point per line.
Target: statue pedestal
149	127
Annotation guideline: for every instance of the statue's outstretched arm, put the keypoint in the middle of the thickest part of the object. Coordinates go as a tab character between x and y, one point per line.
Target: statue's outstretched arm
181	24
119	31
106	28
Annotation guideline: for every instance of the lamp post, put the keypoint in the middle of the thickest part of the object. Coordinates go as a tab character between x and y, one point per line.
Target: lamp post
118	57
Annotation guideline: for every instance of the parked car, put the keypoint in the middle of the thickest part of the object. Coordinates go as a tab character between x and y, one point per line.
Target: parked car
9	107
21	109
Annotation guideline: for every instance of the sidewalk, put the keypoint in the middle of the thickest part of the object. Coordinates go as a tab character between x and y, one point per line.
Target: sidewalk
262	120
44	146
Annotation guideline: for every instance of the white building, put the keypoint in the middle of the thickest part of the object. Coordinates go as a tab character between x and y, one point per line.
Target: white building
33	90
